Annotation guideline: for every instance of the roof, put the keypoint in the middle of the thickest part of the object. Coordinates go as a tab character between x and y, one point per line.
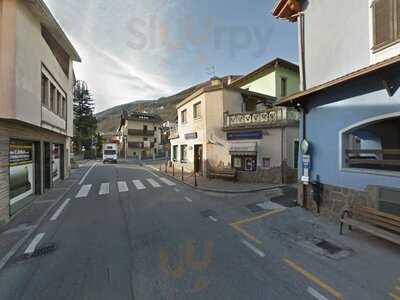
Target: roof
301	96
287	9
144	116
39	8
277	62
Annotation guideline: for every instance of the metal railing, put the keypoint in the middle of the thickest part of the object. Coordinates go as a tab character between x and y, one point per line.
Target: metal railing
273	117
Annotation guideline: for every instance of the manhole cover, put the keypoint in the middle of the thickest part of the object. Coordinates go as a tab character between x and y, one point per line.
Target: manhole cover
329	247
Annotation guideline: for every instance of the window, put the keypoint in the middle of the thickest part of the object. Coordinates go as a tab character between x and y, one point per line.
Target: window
266	163
175	153
374	146
197	110
283	86
386	22
45	90
52	97
183	116
110	152
145	128
64	108
183	153
58	108
145	139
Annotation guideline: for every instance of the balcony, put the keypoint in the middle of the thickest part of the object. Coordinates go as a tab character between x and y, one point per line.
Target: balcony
274	117
140	145
140	132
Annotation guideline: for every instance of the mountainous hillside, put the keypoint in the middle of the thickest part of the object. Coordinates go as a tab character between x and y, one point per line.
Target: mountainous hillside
108	120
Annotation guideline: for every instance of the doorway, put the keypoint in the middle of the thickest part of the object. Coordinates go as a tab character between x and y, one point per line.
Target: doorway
37	168
47	166
198	158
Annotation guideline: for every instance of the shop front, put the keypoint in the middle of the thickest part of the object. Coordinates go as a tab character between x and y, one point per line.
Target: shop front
243	156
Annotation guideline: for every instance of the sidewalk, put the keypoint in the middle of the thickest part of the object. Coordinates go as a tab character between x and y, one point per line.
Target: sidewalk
24	223
211	185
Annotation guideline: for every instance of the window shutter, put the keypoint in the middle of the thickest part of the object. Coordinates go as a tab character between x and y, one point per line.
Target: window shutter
383	22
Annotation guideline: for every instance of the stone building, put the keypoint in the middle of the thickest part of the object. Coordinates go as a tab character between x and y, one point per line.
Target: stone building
36	118
235	126
350	102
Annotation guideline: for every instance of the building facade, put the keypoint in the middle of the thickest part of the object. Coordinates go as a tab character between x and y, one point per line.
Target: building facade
36	117
141	134
350	102
227	126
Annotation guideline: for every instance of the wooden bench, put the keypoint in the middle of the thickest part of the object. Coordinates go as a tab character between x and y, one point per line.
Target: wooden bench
223	173
380	224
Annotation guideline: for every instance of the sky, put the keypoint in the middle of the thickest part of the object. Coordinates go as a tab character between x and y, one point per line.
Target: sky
146	49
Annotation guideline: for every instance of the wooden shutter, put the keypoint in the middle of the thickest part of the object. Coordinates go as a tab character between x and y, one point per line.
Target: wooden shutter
383	22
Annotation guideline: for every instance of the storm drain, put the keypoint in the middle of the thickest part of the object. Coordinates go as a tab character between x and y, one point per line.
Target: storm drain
329	247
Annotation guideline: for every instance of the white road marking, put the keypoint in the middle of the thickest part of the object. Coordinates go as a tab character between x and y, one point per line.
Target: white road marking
87	173
104	189
122	187
188	199
253	248
177	190
153	182
316	294
59	210
213	219
167	182
84	191
138	184
32	246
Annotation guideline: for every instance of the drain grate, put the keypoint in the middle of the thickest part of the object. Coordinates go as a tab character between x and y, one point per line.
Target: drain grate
329	247
44	250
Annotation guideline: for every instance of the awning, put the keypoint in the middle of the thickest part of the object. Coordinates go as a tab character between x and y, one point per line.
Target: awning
243	148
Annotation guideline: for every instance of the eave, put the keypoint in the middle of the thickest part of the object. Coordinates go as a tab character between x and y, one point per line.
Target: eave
287	9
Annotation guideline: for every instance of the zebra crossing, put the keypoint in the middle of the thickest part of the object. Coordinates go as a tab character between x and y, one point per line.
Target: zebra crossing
123	186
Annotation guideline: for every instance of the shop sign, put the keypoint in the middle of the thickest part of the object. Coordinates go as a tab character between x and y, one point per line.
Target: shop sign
146	144
21	170
191	136
244	135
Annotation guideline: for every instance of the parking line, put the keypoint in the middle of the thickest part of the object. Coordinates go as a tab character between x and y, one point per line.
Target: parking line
394	296
253	248
314	279
87	173
316	294
32	246
59	210
188	199
248	220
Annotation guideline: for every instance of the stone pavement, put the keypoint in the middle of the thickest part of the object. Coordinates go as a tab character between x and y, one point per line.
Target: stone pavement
26	221
207	184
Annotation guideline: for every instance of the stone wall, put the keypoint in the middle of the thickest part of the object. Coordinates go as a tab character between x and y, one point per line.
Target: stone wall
336	199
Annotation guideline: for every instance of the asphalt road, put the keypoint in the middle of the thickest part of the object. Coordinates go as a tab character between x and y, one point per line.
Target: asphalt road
127	232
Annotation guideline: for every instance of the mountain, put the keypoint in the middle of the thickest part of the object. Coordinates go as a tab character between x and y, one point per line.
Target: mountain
108	120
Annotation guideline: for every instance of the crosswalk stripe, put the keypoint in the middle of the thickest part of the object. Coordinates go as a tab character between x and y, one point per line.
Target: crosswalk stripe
167	182
153	182
138	184
122	186
84	191
104	189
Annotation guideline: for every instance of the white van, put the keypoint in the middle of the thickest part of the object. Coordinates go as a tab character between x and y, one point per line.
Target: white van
110	153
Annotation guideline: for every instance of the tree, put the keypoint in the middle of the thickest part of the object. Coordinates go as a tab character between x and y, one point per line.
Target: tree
85	124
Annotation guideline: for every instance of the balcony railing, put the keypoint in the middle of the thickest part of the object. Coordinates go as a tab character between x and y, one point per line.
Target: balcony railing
140	132
274	117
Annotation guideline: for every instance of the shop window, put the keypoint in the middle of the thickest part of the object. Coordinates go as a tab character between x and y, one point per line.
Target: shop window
197	110
266	163
373	146
386	22
184	116
245	163
183	153
45	90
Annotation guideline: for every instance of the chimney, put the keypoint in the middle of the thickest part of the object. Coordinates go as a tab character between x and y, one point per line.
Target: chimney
216	81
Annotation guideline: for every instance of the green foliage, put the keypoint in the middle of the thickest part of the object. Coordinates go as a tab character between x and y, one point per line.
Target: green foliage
85	124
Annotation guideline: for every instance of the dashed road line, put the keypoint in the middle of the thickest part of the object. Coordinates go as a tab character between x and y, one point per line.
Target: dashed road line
167	182
188	199
253	248
87	173
154	183
314	279
84	191
59	210
104	189
32	246
213	219
138	184
316	294
122	187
